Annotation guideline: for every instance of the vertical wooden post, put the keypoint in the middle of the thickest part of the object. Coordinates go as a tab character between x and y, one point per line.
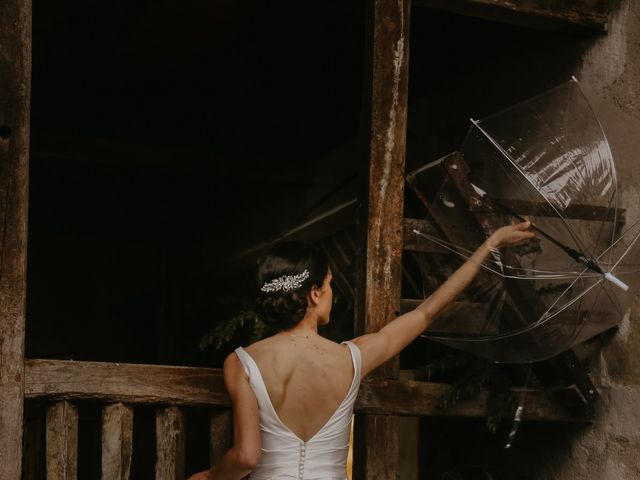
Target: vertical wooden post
15	85
62	441
220	434
117	441
380	217
170	443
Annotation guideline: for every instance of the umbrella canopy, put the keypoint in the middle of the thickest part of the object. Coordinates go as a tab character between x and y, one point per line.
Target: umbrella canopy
546	159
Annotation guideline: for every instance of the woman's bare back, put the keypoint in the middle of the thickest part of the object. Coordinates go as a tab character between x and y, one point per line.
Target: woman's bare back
307	378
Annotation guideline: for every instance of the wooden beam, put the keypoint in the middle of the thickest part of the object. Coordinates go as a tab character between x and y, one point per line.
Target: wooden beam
62	441
380	229
458	171
117	441
125	382
189	386
15	85
592	213
220	434
407	397
592	14
170	443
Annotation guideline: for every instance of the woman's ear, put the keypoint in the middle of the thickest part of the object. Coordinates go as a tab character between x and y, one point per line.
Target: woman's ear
314	295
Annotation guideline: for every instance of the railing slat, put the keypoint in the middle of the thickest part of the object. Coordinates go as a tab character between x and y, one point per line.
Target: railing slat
62	441
170	443
32	451
220	434
117	441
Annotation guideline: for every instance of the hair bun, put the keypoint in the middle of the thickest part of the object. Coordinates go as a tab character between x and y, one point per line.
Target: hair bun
286	274
282	309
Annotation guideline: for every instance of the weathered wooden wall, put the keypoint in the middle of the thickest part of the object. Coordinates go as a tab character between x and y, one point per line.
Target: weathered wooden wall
15	84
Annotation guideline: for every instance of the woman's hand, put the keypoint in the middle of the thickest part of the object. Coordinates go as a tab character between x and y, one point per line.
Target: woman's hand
510	235
204	475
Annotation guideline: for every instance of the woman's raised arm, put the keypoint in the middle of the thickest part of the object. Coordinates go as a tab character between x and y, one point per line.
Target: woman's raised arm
377	348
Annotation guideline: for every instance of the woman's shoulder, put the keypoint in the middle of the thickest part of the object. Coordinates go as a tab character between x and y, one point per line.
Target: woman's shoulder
281	345
261	345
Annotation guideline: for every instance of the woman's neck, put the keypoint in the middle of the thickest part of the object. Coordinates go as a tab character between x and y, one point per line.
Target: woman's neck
308	326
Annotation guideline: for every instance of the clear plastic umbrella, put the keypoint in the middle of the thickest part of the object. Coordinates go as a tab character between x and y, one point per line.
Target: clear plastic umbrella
546	159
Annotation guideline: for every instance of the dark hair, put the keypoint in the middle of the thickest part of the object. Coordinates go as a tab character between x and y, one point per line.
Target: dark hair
285	309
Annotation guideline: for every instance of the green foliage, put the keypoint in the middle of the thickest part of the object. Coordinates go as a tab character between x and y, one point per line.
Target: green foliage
224	331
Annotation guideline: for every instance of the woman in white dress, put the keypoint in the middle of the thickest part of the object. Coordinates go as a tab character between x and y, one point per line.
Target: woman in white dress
293	393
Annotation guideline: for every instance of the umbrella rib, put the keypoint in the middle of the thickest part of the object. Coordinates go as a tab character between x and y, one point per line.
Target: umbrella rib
610	248
544	319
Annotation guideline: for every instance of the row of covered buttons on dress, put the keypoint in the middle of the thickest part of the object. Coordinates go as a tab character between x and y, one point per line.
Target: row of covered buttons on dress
303	449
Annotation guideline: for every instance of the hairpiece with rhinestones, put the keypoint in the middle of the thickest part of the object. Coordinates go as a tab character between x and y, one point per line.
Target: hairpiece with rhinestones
285	283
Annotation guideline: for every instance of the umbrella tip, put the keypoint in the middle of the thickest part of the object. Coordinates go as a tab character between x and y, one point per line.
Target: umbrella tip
616	281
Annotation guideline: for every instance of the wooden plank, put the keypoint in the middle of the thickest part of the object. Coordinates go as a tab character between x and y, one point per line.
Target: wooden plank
62	441
170	443
592	213
220	435
593	14
15	85
117	441
125	382
380	229
454	165
407	397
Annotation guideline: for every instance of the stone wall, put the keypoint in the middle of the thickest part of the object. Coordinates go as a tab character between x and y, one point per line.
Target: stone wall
516	64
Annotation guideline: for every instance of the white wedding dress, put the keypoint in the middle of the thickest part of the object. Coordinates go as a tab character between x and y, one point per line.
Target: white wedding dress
284	455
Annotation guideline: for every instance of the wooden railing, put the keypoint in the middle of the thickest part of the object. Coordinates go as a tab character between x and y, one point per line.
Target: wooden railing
64	384
119	387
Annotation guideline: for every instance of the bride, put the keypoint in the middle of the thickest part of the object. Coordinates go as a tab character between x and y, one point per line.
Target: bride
293	393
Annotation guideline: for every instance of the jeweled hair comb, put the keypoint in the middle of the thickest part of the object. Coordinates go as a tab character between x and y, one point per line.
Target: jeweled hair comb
285	283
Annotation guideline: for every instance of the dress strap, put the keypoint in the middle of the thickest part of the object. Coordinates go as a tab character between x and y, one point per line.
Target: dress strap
357	361
245	360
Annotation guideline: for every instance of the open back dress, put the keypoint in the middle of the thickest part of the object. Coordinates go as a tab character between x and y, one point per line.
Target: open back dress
284	455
